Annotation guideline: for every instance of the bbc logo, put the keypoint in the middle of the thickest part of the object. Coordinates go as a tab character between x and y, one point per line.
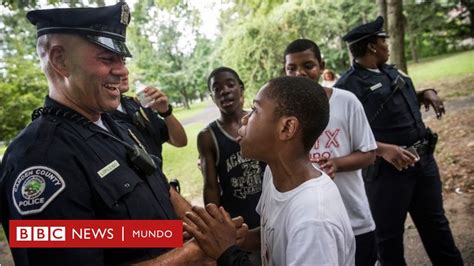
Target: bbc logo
41	233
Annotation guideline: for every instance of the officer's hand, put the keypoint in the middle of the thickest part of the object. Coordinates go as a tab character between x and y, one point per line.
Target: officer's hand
161	100
429	97
212	228
328	166
398	157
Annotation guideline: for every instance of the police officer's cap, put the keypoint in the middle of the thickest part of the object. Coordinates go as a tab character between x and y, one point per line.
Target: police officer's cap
105	26
366	30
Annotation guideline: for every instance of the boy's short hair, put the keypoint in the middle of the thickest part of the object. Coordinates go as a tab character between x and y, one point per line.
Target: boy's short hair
301	45
303	98
359	48
224	69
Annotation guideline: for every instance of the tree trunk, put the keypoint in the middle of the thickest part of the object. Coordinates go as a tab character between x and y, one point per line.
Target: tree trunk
412	40
382	11
185	99
414	54
397	33
470	7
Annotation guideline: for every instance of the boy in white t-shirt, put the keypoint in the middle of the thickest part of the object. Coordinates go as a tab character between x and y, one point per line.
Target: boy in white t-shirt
303	218
345	147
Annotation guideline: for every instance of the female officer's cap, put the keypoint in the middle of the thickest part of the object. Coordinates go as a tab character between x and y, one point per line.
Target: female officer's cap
366	30
104	26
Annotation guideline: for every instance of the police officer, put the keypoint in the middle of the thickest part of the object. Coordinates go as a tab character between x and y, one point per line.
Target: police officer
156	123
73	161
405	177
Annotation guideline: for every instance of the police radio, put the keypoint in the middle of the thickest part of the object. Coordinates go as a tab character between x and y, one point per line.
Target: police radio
141	159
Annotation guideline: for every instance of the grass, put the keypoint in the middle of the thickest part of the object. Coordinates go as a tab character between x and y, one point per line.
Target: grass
181	163
442	68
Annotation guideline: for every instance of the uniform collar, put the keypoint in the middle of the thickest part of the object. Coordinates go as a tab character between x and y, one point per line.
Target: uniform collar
365	73
83	130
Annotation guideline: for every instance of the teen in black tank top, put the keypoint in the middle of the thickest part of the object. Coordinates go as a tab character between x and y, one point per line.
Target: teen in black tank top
240	179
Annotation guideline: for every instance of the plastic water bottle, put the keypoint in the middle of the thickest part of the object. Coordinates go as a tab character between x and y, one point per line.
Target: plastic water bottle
145	101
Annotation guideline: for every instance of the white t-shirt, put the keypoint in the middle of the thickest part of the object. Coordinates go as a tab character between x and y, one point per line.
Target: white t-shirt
305	226
347	131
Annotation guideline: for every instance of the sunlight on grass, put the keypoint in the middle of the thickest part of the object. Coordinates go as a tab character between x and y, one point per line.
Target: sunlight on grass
181	163
445	67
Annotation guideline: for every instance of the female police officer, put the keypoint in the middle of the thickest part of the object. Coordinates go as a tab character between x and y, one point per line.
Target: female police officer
405	177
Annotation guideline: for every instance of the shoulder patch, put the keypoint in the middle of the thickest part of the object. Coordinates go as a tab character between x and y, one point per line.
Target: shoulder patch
403	73
35	188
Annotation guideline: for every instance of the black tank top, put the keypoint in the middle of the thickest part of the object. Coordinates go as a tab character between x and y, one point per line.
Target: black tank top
240	179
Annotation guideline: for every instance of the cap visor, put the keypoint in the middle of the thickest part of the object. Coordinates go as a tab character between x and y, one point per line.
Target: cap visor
382	34
113	45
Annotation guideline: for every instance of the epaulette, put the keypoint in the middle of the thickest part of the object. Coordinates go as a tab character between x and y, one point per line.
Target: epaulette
343	79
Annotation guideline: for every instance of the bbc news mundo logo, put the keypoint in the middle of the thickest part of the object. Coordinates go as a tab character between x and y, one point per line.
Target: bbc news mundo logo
96	233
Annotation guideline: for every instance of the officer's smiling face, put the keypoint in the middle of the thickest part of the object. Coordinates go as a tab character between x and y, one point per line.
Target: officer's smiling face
94	75
303	64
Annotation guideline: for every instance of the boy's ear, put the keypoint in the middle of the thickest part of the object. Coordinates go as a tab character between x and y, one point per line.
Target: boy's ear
288	128
57	59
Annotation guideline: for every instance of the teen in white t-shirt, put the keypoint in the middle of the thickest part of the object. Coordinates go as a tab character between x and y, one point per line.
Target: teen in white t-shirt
307	225
345	147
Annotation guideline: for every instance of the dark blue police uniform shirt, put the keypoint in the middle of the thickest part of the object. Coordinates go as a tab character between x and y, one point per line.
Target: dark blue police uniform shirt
399	121
150	127
79	174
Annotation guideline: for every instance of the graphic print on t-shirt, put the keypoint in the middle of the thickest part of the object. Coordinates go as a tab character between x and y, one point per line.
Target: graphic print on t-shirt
327	141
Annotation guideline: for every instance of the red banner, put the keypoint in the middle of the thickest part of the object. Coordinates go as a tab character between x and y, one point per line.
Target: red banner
96	233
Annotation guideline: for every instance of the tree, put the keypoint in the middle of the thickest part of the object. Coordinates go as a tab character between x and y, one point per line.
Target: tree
169	51
253	45
23	85
469	4
396	31
382	11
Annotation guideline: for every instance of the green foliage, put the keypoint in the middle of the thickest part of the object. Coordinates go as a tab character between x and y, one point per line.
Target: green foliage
156	37
22	86
431	29
254	46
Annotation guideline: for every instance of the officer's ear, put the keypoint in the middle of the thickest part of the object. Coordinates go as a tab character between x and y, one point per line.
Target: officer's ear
57	59
371	47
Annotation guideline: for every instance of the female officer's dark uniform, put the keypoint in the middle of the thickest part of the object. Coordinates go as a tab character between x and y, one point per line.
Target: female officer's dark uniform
391	105
63	166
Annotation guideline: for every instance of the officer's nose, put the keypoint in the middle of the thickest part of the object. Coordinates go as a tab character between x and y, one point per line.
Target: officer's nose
120	69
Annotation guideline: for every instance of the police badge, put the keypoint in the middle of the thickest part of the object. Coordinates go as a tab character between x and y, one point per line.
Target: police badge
125	16
35	188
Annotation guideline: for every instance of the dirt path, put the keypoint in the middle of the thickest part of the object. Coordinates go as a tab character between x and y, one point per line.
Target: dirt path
207	115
